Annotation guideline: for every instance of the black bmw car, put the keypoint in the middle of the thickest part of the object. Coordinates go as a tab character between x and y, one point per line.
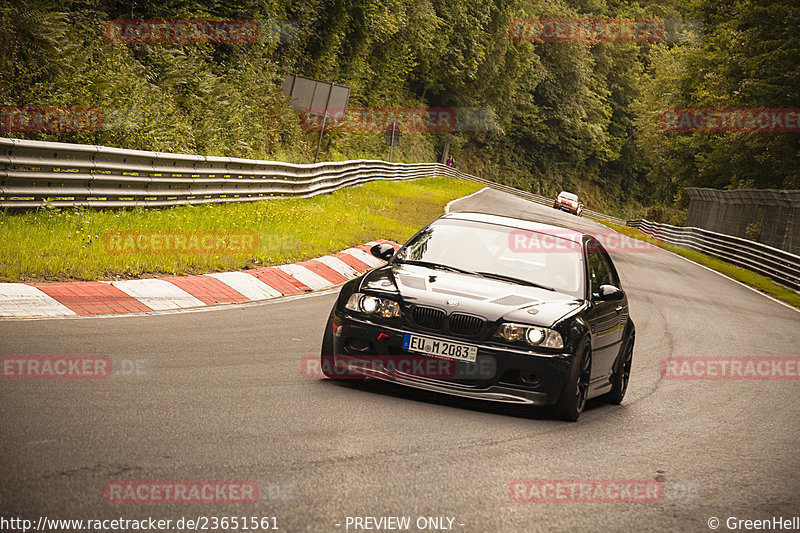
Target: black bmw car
489	307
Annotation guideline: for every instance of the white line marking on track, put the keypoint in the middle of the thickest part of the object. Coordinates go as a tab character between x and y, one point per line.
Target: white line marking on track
451	202
745	285
717	272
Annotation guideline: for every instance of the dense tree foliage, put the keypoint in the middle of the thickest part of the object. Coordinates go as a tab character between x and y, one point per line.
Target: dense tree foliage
575	115
747	56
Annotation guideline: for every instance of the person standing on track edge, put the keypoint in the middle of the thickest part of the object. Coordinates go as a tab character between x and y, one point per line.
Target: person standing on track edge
451	162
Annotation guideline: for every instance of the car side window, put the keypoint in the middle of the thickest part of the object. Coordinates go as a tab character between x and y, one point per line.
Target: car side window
600	272
611	270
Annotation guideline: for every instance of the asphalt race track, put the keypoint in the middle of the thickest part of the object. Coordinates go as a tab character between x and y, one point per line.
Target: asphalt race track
222	398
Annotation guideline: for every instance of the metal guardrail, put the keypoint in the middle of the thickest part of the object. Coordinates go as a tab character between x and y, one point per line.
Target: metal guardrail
779	265
36	174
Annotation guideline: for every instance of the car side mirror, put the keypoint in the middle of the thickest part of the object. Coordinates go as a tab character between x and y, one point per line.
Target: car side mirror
608	293
382	251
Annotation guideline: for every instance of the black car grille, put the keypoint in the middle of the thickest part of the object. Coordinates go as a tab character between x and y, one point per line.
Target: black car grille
428	318
465	324
457	324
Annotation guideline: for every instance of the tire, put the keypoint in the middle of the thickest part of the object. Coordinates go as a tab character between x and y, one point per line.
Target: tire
573	398
621	376
326	360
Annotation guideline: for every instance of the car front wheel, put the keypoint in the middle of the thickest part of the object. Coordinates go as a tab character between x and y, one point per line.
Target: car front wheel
326	352
573	398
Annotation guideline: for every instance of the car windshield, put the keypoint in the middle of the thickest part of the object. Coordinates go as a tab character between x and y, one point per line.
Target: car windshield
569	196
500	252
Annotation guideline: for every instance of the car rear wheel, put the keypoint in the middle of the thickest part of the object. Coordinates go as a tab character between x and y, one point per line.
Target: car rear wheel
573	398
621	377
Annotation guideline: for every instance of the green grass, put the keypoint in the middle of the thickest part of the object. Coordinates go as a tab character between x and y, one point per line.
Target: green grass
757	281
59	245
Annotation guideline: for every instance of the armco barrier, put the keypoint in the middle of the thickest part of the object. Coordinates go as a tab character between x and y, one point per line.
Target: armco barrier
780	266
35	174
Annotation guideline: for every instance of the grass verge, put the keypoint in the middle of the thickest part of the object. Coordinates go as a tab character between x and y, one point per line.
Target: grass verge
61	245
757	281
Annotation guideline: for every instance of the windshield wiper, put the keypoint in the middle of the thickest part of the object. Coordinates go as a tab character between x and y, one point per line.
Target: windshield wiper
490	275
511	279
438	266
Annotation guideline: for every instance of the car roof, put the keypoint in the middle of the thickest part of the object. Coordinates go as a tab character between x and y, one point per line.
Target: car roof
538	227
567	193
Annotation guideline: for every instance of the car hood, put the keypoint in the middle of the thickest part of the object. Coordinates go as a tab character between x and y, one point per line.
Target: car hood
463	293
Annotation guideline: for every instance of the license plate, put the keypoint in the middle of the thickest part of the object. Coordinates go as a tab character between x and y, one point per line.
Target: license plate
450	350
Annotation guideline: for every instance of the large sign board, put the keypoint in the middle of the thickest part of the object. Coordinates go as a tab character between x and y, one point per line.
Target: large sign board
315	97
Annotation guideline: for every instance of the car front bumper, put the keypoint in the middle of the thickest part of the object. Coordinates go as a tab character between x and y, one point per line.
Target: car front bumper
500	374
567	207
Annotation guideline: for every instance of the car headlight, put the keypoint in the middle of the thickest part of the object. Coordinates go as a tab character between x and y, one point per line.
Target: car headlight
373	305
533	335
